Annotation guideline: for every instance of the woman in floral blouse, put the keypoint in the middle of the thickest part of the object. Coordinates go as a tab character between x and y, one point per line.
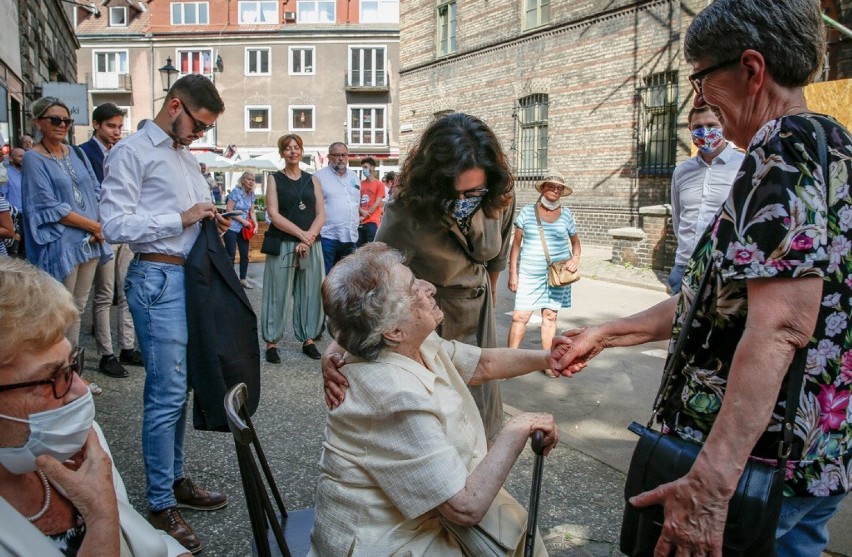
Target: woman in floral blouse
780	278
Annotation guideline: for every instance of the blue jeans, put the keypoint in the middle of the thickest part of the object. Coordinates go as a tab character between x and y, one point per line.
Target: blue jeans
335	250
676	278
157	300
367	233
803	526
233	240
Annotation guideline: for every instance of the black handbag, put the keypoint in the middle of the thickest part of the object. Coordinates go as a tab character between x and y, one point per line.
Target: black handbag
271	241
659	459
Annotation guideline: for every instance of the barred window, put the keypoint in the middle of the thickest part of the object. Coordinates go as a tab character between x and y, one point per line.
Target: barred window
531	137
658	141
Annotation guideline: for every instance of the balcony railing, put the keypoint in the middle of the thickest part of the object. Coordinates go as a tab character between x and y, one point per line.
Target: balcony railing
375	81
112	82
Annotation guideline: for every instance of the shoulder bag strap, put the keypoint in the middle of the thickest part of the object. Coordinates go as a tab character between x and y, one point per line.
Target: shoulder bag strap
541	233
674	360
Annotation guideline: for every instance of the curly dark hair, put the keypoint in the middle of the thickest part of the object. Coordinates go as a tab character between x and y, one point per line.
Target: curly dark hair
451	145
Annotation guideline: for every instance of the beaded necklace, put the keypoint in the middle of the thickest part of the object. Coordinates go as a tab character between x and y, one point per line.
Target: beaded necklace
47	497
68	168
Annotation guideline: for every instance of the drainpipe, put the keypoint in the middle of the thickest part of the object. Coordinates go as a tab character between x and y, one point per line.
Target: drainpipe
151	42
837	25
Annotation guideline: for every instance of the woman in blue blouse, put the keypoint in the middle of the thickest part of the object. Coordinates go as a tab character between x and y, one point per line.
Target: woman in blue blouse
241	199
528	278
60	197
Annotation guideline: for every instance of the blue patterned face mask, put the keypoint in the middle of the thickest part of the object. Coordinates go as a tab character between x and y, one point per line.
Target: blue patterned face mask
707	139
461	208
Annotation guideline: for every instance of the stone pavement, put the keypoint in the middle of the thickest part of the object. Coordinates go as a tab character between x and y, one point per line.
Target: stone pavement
580	504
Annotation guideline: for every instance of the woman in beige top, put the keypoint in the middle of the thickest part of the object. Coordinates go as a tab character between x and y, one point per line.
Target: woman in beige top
405	468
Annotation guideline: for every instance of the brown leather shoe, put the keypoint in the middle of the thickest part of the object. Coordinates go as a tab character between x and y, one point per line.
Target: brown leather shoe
170	521
190	496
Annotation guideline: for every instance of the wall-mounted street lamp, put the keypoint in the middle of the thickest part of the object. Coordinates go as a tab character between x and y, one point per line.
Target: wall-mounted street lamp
166	73
88	6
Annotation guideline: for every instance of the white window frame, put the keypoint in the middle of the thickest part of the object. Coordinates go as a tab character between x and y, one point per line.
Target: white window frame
315	3
452	28
258	4
268	109
179	51
183	6
253	50
104	80
114	10
294	107
371	47
127	124
536	7
290	53
383	8
350	108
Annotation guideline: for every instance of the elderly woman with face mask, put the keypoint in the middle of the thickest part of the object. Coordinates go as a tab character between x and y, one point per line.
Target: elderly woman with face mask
405	469
59	493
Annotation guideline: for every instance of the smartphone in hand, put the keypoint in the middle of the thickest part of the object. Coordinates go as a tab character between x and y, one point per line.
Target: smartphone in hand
230	214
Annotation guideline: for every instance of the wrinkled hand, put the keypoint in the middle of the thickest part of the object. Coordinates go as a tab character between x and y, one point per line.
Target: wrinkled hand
525	424
572	351
201	211
301	249
334	382
513	282
86	481
694	520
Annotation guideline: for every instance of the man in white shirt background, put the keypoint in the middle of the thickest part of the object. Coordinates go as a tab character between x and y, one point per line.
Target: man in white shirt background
341	192
153	197
107	121
700	185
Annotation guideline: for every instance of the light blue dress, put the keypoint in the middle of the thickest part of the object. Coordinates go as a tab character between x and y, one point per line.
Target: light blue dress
533	290
49	194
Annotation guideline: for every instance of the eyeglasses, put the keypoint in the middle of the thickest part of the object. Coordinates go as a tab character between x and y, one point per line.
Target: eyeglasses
554	187
61	380
198	125
697	78
56	121
478	192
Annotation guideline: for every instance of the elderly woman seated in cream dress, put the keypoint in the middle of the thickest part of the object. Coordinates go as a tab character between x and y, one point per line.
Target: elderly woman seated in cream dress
405	466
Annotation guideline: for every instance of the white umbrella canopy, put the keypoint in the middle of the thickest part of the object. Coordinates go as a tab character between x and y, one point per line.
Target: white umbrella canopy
214	161
257	164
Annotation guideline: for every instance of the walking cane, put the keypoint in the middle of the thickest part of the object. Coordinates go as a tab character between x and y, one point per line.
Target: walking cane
538	449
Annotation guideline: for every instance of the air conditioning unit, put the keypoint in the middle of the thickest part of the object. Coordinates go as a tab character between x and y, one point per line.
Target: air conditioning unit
289	16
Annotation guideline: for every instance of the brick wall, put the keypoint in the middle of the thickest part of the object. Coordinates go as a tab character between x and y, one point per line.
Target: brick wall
590	64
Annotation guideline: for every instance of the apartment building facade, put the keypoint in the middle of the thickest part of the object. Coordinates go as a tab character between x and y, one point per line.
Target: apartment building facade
595	90
327	70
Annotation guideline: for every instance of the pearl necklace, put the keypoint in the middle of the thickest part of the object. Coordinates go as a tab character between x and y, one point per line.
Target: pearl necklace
47	496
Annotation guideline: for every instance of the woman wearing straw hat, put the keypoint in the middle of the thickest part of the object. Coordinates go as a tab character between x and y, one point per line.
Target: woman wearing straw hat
528	263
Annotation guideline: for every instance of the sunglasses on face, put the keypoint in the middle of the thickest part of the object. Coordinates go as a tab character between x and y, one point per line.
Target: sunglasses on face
56	121
61	381
198	125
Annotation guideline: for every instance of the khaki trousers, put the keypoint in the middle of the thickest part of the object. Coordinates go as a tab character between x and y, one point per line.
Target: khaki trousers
109	285
79	284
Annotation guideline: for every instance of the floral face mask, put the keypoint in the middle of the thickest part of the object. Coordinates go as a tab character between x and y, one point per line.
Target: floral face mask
707	139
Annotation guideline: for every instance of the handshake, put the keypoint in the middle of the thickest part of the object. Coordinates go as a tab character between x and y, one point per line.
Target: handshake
572	350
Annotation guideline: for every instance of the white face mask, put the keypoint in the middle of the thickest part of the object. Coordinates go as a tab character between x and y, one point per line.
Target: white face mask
60	433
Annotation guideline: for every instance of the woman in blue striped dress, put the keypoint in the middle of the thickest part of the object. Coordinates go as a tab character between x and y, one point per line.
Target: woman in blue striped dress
528	265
